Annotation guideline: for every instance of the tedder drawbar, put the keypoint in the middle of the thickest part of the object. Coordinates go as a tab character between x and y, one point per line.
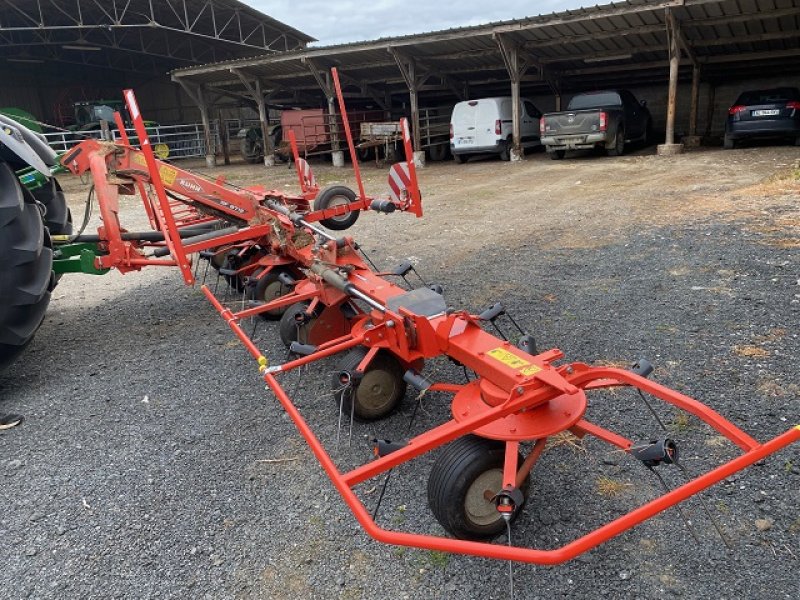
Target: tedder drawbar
330	301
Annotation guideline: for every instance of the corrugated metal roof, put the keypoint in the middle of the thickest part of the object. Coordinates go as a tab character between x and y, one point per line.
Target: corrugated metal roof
620	40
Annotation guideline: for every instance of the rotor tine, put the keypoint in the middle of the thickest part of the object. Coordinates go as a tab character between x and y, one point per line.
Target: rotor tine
711	518
510	318
510	563
196	264
341	411
255	325
380	497
352	416
205	271
652	410
425	283
500	331
686	521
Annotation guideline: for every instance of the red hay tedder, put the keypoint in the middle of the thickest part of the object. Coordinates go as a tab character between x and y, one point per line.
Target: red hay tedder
330	301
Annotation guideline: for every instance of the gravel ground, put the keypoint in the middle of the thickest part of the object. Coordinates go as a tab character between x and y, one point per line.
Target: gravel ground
152	464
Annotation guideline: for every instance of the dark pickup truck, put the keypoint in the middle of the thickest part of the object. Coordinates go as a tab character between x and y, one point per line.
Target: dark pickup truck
607	119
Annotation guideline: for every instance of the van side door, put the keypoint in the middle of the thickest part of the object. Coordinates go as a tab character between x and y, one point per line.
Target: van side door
530	121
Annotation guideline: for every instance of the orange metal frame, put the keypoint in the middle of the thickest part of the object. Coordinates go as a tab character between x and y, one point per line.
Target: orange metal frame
516	396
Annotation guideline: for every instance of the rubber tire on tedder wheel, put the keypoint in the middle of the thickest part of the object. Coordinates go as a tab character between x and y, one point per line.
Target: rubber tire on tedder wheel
461	484
288	328
26	266
335	195
377	393
267	289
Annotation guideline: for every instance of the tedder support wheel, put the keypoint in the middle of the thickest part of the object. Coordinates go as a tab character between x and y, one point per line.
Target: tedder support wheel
377	393
337	195
267	289
293	327
463	482
26	266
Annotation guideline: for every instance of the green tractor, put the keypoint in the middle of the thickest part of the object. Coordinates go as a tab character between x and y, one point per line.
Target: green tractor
32	209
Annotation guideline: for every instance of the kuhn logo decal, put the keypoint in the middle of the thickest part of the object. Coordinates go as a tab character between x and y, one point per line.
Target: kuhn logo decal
189	185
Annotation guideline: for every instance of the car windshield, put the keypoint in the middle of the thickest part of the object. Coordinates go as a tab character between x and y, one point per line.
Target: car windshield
594	100
768	96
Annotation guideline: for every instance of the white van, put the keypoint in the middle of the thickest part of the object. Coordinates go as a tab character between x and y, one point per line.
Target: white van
484	126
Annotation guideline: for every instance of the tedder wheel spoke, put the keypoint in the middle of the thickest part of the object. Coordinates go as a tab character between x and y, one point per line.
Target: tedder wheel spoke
374	395
462	486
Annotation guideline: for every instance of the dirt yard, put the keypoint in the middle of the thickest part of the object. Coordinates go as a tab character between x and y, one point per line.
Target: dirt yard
152	464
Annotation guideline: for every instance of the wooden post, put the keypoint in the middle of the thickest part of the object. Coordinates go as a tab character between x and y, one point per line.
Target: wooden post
223	138
516	120
211	159
674	63
263	118
408	69
516	69
695	100
413	96
712	91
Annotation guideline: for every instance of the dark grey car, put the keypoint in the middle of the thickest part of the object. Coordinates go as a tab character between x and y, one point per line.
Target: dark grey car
760	114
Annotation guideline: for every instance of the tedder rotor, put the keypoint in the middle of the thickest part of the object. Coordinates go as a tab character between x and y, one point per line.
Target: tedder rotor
331	301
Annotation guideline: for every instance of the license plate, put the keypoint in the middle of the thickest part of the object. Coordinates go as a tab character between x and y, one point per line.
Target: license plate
766	113
465	140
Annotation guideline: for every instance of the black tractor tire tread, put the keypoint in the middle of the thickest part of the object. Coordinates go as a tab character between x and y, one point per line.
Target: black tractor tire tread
57	217
26	271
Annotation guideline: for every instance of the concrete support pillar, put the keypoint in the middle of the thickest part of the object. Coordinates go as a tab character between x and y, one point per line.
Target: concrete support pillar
670	147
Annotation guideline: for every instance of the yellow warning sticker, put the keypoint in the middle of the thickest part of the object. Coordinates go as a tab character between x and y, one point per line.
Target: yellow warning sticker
532	370
168	175
138	158
513	361
508	359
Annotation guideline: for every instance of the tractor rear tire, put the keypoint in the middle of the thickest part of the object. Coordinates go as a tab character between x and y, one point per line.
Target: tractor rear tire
26	267
57	217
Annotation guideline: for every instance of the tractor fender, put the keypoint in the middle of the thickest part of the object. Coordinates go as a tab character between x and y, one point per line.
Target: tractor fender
28	146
